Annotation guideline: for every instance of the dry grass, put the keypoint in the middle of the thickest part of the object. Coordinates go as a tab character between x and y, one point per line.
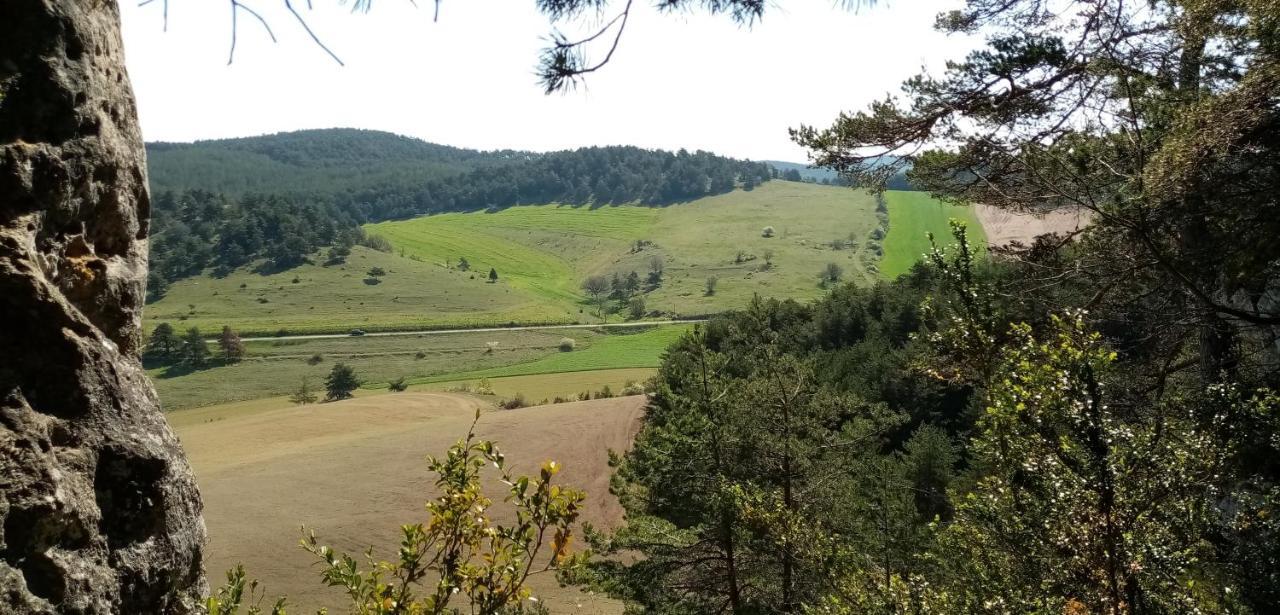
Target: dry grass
355	472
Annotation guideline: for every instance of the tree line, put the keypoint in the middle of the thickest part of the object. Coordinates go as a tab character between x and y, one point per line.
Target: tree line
942	443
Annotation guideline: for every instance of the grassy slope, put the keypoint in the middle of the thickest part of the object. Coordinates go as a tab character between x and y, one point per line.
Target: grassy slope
542	254
547	250
529	246
413	294
703	239
912	215
277	367
613	351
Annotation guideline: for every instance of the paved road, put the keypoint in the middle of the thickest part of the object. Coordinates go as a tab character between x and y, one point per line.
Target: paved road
650	323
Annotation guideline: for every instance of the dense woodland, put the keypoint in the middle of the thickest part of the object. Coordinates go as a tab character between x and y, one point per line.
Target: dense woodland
1088	424
222	204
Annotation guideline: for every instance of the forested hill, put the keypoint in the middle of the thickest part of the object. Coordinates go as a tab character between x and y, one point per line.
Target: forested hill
226	203
331	161
374	175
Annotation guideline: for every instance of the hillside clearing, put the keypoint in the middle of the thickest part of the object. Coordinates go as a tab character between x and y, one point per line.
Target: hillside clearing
542	254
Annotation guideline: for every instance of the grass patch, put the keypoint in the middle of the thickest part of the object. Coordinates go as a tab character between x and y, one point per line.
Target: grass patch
335	299
912	215
537	387
276	368
616	351
542	253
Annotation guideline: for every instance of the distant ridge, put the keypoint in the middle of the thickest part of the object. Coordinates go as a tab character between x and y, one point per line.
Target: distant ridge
823	175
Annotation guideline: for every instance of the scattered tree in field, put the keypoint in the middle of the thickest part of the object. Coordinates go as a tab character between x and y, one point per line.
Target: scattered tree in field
567	344
315	359
633	283
338	254
597	286
768	258
398	385
195	351
377	272
303	394
164	344
831	274
493	275
711	283
656	267
463	265
230	344
636	307
767	232
469	559
341	382
617	287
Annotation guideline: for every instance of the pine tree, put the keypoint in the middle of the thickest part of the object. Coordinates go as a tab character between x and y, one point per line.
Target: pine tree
195	351
493	275
304	394
164	344
341	382
231	345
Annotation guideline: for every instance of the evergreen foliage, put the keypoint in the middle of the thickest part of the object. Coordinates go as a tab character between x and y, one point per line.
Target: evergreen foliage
341	382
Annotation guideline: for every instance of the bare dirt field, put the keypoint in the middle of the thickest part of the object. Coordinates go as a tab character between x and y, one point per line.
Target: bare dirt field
1004	227
355	471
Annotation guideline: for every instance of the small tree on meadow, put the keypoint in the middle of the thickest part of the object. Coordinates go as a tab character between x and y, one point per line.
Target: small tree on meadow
493	275
463	265
341	382
767	232
195	351
712	281
231	345
164	343
304	394
377	272
598	287
656	267
831	273
636	307
768	258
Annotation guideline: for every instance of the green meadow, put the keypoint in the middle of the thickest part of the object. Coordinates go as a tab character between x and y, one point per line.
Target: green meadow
273	368
541	254
912	216
547	250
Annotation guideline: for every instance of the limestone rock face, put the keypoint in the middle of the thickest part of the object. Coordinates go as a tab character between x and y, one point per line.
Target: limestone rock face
99	511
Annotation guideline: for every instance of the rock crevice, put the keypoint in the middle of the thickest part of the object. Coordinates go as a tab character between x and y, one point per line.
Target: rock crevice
99	512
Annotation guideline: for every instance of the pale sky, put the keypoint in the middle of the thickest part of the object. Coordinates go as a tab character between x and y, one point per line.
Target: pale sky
687	80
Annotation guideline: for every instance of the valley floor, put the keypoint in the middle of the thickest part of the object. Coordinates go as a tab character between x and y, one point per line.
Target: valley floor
355	471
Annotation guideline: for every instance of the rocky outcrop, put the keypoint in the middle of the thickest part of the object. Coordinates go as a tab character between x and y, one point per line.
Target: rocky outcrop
99	511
